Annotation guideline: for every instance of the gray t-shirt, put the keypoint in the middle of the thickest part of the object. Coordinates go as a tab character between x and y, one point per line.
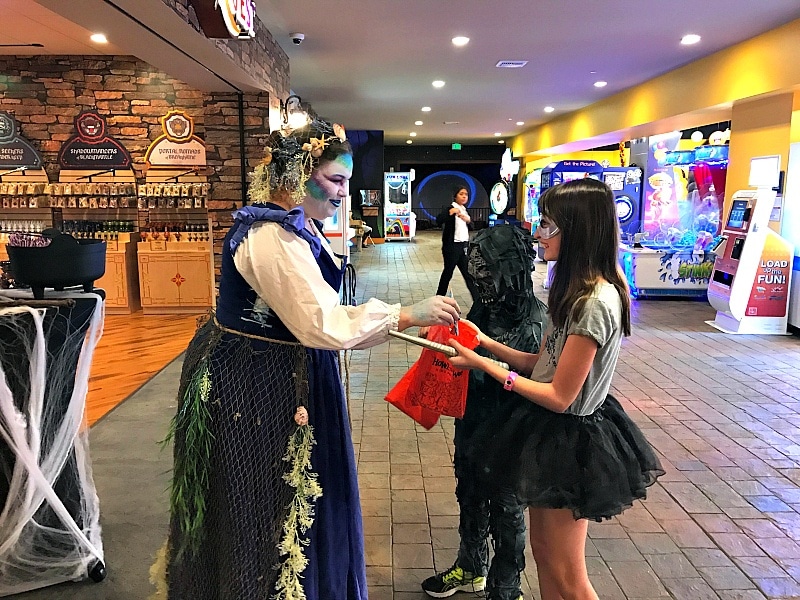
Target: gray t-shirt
601	321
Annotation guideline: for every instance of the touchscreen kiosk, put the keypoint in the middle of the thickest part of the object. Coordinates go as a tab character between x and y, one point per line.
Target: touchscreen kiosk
750	283
736	217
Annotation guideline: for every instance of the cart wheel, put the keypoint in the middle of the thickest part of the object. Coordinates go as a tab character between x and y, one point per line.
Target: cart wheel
98	572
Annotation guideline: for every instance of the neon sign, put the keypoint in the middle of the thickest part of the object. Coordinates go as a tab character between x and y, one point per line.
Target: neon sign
226	18
239	16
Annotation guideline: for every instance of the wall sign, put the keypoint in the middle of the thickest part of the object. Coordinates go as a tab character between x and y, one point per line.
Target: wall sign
178	146
226	18
91	147
15	151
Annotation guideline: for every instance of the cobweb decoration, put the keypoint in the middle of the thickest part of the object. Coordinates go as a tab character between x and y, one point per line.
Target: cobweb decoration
49	522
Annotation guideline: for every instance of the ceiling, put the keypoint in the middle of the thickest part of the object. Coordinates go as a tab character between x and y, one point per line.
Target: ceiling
26	22
369	64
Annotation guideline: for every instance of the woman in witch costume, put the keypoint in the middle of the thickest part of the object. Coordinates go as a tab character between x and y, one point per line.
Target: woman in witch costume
264	497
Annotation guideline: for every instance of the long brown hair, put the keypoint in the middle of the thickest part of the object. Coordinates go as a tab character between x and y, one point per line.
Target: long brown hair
585	213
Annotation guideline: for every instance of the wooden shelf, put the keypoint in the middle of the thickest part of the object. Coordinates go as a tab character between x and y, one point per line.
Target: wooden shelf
121	279
175	277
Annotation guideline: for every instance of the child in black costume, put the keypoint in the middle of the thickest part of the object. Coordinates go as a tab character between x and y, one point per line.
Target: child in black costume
500	264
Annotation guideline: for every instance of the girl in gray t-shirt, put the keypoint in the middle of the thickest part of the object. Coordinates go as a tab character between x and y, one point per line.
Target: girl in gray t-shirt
571	453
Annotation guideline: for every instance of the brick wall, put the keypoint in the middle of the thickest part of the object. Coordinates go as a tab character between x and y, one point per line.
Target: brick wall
221	119
261	57
46	93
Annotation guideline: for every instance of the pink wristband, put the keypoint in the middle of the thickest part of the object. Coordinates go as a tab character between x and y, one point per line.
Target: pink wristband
510	379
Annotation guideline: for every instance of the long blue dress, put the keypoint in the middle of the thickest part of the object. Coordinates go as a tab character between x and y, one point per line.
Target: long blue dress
258	378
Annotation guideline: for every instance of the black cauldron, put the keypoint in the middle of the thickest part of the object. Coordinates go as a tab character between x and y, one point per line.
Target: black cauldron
64	263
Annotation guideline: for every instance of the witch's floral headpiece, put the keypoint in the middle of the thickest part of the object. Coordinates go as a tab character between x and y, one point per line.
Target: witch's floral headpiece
290	158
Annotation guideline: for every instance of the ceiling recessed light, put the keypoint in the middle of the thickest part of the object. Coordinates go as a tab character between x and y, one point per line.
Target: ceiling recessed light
599	84
689	39
520	122
549	109
497	134
413	134
426	109
501	141
417	122
438	83
409	142
460	40
99	38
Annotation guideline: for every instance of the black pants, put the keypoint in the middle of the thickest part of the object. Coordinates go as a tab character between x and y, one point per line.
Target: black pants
480	513
455	255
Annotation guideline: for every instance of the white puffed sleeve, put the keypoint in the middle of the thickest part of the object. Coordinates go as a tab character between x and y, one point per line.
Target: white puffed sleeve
281	268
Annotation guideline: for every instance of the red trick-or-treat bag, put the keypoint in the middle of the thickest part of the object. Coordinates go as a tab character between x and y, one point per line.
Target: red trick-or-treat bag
432	386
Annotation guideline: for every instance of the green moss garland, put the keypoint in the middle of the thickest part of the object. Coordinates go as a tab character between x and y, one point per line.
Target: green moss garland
300	516
191	470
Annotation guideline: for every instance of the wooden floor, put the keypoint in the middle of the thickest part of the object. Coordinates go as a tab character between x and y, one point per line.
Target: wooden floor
133	349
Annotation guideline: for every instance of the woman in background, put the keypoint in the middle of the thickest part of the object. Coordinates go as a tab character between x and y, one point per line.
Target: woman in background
454	222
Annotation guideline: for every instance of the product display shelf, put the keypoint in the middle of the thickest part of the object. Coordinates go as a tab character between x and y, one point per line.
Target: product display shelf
176	268
104	205
175	248
23	204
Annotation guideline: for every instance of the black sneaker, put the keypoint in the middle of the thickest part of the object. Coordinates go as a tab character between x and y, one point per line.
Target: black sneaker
455	579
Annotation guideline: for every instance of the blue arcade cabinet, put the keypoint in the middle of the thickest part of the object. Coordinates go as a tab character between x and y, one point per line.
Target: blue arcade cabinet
567	170
626	183
564	171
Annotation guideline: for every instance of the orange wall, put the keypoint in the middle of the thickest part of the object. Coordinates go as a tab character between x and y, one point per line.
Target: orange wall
795	132
759	127
696	94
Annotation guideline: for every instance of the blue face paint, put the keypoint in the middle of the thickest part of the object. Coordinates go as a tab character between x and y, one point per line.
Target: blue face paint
346	160
327	186
315	190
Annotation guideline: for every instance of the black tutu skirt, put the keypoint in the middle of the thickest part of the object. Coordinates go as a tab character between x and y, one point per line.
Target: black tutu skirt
594	465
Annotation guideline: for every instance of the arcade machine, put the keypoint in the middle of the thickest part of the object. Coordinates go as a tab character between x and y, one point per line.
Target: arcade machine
680	222
498	203
567	170
533	189
790	229
400	222
562	172
751	282
626	183
503	209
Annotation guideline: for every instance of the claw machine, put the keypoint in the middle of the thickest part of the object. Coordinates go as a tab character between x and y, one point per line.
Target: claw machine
399	219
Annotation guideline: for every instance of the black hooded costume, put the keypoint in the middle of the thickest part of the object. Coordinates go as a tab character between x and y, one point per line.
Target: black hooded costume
506	309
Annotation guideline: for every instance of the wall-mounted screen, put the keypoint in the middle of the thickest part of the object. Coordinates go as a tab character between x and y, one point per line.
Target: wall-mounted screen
765	172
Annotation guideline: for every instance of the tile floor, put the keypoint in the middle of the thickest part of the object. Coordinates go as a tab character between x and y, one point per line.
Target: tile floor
722	411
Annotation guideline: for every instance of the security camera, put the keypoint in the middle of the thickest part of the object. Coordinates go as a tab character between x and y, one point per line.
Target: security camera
297	38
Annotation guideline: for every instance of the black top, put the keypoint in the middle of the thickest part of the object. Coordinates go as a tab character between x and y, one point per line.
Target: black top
448	224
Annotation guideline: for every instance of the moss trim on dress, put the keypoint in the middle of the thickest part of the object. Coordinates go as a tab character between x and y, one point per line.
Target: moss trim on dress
192	467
